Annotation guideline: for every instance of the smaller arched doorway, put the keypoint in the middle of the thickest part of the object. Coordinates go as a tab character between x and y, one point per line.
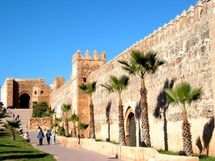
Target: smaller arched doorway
131	129
24	100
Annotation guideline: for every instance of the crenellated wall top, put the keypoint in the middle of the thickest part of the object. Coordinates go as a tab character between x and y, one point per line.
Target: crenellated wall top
87	56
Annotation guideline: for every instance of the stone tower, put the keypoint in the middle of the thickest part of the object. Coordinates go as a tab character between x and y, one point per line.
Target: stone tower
82	66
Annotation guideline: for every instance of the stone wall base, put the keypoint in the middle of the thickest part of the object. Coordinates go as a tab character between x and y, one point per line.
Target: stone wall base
123	152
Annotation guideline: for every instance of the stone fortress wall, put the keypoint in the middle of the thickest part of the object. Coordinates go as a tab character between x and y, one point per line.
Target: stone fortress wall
187	45
69	92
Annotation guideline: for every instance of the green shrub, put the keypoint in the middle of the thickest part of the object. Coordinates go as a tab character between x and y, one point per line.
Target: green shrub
41	109
61	131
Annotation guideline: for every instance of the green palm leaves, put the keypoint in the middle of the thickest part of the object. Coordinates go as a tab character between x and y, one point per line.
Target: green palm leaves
65	108
74	117
117	84
88	88
183	93
142	63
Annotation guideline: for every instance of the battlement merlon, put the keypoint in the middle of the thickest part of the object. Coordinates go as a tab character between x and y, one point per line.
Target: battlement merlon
78	56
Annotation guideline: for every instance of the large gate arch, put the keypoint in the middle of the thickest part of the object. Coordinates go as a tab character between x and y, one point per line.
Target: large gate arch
24	100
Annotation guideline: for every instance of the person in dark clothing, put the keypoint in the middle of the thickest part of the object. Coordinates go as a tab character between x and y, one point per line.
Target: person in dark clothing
48	136
40	136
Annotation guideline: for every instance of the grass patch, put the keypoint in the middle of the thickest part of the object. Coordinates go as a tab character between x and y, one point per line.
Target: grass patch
167	152
20	150
201	157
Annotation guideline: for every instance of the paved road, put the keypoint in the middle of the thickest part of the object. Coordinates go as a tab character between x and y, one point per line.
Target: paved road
66	154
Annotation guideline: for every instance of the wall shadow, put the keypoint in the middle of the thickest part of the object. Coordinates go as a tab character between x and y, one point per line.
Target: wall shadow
107	114
23	156
206	136
199	144
161	109
137	114
207	133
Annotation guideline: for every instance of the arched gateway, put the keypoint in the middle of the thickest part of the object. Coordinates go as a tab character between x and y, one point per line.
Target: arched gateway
24	100
130	128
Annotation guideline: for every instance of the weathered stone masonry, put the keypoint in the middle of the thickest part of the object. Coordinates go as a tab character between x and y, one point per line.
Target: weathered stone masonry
187	45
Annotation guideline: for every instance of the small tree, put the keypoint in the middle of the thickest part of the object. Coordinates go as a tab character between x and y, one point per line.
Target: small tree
183	95
12	126
65	109
56	122
81	128
118	85
90	88
74	118
2	112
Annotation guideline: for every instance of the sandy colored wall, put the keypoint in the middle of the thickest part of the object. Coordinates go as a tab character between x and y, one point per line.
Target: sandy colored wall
185	43
44	123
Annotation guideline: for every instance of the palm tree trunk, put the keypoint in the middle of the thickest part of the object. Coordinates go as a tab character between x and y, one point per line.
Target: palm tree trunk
74	128
13	134
165	129
92	122
66	127
121	123
187	138
144	118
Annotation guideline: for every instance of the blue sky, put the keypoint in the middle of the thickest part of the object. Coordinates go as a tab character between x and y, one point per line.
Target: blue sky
39	37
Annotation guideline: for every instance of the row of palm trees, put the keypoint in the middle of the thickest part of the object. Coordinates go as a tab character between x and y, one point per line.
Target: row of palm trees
74	118
143	64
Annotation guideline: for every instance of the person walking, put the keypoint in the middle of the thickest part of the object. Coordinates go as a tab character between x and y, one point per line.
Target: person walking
48	136
40	136
53	136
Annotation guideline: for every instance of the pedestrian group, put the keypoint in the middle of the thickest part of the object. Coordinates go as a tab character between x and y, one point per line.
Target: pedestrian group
49	134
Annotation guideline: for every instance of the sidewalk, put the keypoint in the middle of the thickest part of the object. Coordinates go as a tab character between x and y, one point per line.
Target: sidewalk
65	154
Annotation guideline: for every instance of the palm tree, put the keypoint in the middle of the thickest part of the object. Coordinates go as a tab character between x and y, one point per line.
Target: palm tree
12	125
117	85
142	64
56	122
182	95
89	88
81	128
2	112
66	108
74	118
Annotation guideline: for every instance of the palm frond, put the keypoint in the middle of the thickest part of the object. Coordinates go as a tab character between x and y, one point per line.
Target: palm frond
196	94
148	61
88	88
74	117
108	87
65	107
12	124
123	81
123	62
83	86
183	92
171	95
